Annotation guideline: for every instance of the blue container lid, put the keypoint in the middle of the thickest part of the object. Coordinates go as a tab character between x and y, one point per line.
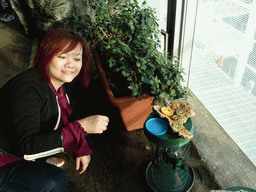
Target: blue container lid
156	126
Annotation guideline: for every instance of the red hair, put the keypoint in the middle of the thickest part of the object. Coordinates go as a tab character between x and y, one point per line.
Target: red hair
53	43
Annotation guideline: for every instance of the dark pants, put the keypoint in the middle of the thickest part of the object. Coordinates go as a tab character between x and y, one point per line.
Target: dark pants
32	176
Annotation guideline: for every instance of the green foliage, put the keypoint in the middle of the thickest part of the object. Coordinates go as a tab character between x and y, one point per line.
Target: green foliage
127	37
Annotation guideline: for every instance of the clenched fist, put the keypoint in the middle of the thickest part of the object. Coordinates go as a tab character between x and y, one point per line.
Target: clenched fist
94	123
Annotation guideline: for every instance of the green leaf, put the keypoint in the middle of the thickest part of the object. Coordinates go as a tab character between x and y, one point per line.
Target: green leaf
185	97
173	92
130	78
116	69
145	79
144	3
134	90
148	148
163	70
144	67
112	41
125	74
162	102
155	101
164	86
116	50
131	25
108	46
163	94
181	88
178	76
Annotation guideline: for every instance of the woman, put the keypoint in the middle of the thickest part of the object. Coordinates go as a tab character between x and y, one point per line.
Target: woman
41	116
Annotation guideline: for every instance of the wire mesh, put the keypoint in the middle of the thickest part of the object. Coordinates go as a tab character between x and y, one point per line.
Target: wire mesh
223	67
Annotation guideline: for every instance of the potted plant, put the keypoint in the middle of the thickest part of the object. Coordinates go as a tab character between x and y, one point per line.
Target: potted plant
125	39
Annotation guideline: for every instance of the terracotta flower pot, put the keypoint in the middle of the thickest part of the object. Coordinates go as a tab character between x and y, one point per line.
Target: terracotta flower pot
134	111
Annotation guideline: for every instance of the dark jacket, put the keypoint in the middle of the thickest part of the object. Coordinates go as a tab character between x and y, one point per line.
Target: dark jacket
30	116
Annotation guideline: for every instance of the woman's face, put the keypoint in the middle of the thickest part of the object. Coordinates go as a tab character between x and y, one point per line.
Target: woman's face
64	67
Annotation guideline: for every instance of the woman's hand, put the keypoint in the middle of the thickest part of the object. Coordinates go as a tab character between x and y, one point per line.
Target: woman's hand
95	123
84	162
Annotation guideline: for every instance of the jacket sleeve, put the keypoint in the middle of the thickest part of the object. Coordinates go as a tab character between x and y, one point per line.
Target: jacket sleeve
26	106
74	139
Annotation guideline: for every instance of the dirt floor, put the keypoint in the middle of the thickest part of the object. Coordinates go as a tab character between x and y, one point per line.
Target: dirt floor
119	158
119	163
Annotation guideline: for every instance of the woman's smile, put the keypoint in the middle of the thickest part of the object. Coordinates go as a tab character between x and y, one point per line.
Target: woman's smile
67	72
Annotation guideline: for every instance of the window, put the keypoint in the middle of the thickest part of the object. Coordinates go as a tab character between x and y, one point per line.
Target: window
217	48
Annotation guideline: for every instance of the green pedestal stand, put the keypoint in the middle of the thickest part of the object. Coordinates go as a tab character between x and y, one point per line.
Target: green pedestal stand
166	172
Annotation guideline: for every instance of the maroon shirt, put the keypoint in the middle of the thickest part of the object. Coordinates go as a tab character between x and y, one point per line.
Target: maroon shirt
72	132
